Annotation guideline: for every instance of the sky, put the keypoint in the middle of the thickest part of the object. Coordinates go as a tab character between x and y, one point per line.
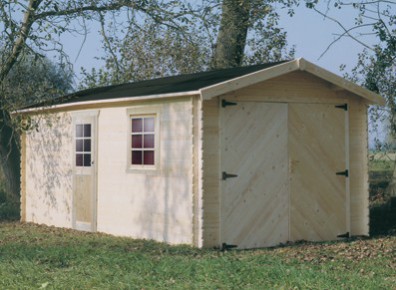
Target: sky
311	33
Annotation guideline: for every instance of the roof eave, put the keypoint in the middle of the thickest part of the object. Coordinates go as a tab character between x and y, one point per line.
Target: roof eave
106	101
370	96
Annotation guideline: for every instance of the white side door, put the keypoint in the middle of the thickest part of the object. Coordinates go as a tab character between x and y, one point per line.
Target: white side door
85	170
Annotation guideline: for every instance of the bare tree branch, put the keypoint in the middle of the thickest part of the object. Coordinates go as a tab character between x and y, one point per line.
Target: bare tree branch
346	32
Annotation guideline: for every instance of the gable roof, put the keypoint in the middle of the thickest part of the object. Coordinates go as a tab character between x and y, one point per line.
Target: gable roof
206	84
287	67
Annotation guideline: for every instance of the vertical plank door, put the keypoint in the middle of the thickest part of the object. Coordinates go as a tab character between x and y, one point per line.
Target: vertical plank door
318	198
254	205
84	177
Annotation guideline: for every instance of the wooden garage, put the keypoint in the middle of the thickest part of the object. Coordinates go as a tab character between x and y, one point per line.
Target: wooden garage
252	157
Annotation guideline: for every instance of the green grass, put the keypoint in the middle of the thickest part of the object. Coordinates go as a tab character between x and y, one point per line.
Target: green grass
34	256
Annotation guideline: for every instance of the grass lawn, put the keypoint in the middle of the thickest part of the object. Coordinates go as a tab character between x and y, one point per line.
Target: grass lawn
34	256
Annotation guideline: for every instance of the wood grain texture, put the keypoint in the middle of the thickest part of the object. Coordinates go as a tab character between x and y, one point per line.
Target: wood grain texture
317	151
23	177
82	200
254	205
295	87
359	185
197	173
284	70
211	173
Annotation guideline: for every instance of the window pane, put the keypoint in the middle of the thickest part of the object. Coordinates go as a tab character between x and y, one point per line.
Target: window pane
137	125
79	130
136	157
149	141
87	130
148	124
79	160
87	145
79	145
137	141
149	157
87	160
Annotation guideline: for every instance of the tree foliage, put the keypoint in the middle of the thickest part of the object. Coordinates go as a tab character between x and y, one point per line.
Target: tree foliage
34	28
180	35
153	50
218	34
32	80
373	28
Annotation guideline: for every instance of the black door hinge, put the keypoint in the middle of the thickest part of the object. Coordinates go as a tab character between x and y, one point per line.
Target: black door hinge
226	247
346	235
226	175
344	107
345	173
225	103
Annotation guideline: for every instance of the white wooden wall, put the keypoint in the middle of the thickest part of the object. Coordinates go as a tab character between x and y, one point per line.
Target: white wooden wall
47	175
147	204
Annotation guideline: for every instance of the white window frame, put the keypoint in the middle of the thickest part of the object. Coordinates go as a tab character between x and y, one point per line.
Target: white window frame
143	112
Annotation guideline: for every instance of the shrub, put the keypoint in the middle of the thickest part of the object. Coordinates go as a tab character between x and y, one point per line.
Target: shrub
8	210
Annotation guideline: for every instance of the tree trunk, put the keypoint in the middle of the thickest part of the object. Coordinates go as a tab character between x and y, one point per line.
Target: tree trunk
10	155
231	40
10	158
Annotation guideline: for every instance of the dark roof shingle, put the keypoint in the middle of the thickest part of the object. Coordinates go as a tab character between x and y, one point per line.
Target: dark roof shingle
166	85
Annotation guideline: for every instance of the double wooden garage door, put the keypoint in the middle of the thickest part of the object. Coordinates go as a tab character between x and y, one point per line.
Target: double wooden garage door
279	165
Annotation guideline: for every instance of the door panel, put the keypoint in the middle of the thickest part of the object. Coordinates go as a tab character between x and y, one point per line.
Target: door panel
84	178
82	198
254	205
317	152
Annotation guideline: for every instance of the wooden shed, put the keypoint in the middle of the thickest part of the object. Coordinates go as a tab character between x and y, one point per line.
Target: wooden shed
252	156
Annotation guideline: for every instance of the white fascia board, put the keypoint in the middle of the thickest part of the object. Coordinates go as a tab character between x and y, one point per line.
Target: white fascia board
107	101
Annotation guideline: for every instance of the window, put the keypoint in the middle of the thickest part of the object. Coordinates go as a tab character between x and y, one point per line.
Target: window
83	145
143	140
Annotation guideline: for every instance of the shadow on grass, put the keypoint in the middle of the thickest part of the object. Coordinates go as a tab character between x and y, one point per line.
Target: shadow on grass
382	206
383	218
9	211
